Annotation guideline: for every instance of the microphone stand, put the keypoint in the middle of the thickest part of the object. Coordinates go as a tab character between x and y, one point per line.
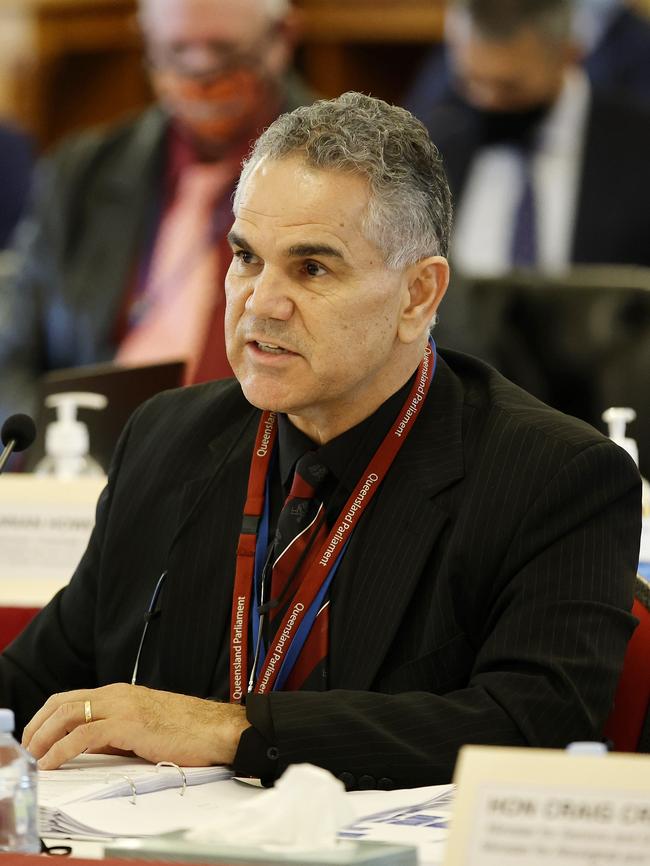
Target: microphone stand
6	453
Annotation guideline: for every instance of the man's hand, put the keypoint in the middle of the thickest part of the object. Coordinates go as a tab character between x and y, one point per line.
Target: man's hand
158	726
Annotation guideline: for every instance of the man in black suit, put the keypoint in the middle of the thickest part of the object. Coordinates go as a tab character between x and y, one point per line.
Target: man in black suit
546	170
462	555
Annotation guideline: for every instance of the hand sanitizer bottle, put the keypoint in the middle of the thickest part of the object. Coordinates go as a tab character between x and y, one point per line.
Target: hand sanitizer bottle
616	419
67	443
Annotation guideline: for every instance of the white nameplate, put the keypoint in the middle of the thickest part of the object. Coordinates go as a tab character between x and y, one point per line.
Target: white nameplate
45	525
538	807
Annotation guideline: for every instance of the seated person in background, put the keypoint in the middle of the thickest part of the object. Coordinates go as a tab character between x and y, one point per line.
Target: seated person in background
613	41
16	154
453	563
123	253
546	172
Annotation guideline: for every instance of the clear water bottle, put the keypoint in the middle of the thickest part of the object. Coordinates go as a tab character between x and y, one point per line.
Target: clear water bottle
18	803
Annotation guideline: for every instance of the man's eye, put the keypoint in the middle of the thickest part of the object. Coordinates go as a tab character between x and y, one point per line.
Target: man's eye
314	269
245	257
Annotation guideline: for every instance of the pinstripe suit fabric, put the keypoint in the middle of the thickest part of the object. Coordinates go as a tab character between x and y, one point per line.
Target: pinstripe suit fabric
484	598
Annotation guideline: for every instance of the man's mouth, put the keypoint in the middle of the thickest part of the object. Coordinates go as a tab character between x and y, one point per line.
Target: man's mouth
271	348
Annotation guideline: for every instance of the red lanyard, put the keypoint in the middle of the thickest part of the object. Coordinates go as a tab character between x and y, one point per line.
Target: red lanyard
317	568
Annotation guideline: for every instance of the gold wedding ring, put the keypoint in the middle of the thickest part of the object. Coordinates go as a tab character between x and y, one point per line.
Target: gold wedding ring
88	713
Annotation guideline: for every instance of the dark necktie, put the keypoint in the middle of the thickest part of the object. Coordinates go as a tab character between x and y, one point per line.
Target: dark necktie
301	528
523	249
300	518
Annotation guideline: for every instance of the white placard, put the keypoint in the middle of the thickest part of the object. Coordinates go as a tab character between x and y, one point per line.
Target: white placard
45	525
538	826
535	807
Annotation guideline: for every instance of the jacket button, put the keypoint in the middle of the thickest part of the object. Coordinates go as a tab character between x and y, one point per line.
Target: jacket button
367	783
385	784
273	753
348	780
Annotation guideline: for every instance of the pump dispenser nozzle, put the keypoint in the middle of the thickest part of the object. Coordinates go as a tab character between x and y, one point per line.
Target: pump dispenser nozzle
617	418
66	439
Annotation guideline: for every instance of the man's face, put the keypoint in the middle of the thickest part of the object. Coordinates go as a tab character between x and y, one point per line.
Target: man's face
312	310
510	75
215	64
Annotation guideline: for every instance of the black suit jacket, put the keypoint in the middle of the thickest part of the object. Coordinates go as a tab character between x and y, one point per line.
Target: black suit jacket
484	597
611	225
16	158
620	62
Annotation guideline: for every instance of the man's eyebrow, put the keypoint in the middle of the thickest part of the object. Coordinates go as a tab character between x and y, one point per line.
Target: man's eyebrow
295	251
303	250
236	240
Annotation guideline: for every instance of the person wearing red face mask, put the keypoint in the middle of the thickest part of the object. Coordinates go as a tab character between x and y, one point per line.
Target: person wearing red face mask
122	254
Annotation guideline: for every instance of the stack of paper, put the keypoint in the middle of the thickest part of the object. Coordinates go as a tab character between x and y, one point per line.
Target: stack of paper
68	796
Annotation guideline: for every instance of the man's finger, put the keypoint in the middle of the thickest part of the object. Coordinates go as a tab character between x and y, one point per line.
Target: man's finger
61	722
48	709
93	737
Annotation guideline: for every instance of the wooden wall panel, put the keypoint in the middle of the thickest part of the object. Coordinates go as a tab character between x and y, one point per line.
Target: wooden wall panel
65	64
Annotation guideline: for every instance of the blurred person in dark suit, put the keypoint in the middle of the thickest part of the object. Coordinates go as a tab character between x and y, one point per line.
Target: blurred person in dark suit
613	41
16	158
546	171
123	253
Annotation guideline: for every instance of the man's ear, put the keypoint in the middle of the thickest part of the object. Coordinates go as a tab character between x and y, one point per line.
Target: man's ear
427	282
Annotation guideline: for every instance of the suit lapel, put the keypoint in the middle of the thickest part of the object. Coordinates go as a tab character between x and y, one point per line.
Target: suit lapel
455	131
386	558
590	195
198	594
124	206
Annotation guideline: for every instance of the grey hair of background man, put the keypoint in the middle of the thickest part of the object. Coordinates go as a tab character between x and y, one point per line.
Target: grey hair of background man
409	210
503	19
276	9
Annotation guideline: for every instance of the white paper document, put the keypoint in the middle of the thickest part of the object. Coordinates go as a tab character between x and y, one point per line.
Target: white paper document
416	816
151	815
107	786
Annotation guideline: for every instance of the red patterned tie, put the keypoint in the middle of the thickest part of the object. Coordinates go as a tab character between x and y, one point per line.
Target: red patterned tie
301	528
182	288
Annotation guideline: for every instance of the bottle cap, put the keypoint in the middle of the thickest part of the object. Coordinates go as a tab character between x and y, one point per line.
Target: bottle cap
617	418
7	721
587	747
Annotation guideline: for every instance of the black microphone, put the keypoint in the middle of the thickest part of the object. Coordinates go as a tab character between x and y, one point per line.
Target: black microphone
18	433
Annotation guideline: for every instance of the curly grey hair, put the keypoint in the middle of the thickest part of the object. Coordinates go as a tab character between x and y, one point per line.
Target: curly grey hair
409	210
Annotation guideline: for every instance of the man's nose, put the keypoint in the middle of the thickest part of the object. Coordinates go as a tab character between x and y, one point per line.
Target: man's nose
269	298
